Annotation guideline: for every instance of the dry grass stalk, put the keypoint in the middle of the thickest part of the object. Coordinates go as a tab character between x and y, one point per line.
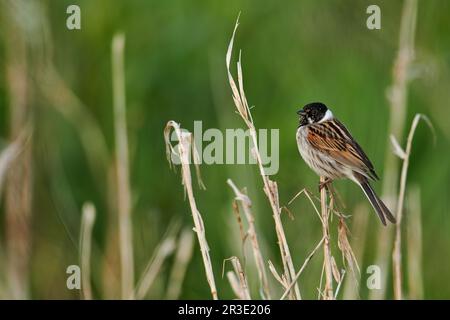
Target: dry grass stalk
237	215
325	213
239	282
343	243
18	183
414	244
346	249
234	283
397	92
183	151
270	187
397	97
183	255
308	196
259	261
320	294
164	249
18	198
288	288
122	167
397	255
341	281
87	223
281	279
335	270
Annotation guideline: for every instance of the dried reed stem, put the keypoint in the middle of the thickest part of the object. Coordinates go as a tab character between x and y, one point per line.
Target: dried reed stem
186	143
308	196
397	97
281	279
87	223
270	187
302	268
122	167
234	283
397	255
18	183
183	255
414	244
240	287
343	242
246	205
342	277
328	290
397	93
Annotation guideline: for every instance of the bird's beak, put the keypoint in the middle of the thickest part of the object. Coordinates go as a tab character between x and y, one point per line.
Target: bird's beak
301	112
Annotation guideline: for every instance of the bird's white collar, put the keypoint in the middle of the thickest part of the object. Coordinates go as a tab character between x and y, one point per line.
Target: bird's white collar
328	116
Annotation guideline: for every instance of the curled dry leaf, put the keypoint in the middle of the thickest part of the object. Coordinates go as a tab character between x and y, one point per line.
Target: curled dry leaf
186	146
335	269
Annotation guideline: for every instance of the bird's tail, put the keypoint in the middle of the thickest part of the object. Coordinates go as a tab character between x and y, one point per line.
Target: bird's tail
380	208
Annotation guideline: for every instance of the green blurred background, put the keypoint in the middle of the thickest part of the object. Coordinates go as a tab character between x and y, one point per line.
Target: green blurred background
293	52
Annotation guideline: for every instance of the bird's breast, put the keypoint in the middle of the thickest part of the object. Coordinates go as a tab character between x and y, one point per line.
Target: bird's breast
304	147
320	162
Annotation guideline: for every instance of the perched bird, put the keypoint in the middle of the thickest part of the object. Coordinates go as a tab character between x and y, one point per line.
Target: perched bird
329	149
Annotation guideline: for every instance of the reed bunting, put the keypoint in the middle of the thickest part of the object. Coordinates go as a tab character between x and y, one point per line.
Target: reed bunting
329	149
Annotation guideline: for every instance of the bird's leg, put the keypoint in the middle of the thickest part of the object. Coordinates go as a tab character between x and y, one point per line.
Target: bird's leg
325	184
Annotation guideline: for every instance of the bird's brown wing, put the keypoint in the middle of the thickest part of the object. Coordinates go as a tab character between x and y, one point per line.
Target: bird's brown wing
333	138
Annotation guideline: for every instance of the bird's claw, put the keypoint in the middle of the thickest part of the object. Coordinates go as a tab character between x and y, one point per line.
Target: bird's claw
324	184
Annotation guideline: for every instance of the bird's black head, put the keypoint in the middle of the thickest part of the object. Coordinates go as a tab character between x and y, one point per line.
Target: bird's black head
314	112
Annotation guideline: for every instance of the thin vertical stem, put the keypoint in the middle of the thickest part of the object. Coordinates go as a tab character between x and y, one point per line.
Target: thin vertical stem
328	291
183	151
397	253
87	223
18	184
246	205
122	168
183	255
397	98
414	244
